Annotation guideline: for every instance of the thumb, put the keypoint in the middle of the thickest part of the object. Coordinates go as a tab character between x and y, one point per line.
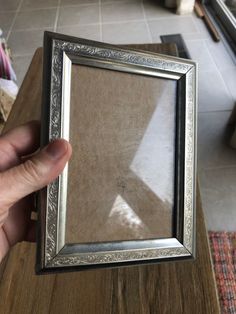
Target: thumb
35	173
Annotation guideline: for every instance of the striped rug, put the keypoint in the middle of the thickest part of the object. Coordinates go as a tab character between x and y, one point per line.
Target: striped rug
223	248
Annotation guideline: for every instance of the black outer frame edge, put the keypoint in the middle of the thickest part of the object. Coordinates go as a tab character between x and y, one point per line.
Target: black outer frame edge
68	269
45	113
44	139
179	160
99	44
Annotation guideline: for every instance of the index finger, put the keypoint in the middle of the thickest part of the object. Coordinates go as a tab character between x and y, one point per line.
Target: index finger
20	141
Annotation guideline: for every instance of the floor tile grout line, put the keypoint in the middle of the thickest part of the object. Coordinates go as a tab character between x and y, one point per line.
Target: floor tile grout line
116	22
194	22
228	69
103	23
108	23
227	88
226	50
146	23
213	60
100	19
223	40
208	37
228	54
204	42
124	21
14	20
57	16
216	168
120	2
33	9
229	50
207	49
61	5
51	27
171	17
215	111
196	39
81	24
22	55
8	11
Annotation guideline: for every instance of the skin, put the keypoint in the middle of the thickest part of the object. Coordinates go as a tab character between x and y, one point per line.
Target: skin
23	170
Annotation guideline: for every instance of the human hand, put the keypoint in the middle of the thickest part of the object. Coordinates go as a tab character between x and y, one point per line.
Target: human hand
20	177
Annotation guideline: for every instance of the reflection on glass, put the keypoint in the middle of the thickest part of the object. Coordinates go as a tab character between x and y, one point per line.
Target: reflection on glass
153	162
122	130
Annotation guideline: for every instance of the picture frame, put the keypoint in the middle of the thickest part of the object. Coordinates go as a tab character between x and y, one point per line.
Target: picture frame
69	64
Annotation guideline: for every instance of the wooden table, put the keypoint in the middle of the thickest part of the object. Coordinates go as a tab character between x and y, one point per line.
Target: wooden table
176	287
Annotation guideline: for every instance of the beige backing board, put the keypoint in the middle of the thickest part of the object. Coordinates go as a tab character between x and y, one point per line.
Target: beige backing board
121	175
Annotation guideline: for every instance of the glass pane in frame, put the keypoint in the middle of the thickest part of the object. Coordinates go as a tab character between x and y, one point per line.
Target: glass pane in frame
121	175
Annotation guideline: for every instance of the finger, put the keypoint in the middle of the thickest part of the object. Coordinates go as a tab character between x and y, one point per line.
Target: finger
16	223
35	173
18	142
4	244
31	231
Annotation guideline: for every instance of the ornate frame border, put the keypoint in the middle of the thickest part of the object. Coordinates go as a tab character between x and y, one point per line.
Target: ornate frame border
60	52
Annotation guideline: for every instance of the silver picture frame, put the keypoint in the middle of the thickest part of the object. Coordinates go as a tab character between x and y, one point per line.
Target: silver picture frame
53	253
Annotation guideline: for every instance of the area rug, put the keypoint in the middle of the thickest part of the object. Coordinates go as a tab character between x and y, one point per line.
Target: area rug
223	248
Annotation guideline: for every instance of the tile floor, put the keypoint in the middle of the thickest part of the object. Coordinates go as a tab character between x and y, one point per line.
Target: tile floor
137	21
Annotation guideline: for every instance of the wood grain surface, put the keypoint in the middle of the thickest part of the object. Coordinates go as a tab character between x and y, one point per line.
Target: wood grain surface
176	287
